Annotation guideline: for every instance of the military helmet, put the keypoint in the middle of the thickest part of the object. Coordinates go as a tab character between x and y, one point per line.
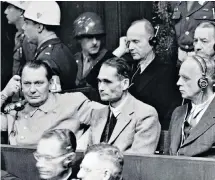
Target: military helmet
44	12
88	23
20	4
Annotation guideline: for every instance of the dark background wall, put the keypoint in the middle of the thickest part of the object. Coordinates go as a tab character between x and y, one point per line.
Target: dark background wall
117	16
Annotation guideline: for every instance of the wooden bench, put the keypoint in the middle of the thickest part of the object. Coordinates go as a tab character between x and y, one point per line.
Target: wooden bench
19	161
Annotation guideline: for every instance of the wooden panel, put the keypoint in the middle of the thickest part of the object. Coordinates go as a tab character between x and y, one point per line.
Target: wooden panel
20	162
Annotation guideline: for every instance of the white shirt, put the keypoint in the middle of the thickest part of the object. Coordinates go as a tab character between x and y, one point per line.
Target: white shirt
117	110
199	110
144	64
196	114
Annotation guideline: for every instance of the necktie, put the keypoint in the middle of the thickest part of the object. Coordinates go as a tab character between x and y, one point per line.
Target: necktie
189	125
109	127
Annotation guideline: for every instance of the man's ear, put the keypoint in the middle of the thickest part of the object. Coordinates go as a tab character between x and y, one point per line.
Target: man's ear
69	160
125	83
40	27
107	174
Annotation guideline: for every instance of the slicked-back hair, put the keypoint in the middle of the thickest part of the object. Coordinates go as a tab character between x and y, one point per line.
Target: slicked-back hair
121	65
148	26
36	65
210	67
207	24
65	136
107	152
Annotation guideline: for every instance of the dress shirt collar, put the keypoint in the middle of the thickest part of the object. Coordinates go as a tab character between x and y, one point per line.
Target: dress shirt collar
143	64
197	108
117	110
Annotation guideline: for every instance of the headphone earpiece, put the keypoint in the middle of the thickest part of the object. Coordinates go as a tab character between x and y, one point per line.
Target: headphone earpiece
203	81
66	163
153	41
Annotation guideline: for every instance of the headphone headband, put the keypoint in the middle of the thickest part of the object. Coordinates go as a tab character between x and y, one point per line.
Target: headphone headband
200	60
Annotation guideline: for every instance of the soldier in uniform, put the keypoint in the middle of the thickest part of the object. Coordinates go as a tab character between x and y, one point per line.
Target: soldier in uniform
187	16
41	22
89	32
23	50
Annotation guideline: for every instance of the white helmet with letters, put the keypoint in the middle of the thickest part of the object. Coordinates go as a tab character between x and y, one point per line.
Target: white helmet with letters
44	12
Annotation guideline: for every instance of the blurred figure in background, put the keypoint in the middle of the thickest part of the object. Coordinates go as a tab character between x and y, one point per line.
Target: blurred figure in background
187	15
55	154
23	50
101	162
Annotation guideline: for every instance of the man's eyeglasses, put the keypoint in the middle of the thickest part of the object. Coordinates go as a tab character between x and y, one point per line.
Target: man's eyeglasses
47	158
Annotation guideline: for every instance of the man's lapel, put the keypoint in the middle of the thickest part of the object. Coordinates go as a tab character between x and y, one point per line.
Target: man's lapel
195	7
207	120
148	75
102	120
177	131
123	118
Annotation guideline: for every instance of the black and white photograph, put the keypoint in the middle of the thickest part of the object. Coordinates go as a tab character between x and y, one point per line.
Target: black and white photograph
107	90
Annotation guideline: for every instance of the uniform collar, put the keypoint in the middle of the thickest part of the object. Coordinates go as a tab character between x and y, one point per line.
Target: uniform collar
201	2
49	42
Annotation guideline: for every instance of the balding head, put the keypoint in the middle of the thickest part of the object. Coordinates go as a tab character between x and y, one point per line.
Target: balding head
142	27
138	36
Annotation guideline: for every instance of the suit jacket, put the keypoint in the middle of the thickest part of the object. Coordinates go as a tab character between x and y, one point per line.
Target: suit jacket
137	128
156	86
201	138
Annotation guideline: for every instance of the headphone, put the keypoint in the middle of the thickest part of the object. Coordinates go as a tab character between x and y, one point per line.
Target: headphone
203	81
153	40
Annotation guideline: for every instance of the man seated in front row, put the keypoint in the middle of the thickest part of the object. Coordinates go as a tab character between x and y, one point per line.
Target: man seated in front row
127	123
101	162
41	110
55	154
192	128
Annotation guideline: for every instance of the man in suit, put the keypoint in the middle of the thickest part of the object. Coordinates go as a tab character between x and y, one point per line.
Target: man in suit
192	128
153	82
127	123
101	162
55	154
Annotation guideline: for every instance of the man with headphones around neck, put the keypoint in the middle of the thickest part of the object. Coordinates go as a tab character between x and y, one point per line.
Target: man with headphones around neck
192	128
55	154
153	82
